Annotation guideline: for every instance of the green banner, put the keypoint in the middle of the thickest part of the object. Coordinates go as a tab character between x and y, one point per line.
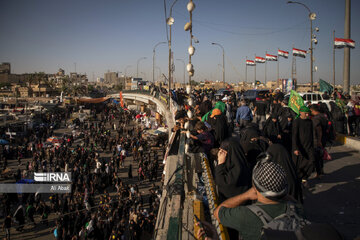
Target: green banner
295	101
325	86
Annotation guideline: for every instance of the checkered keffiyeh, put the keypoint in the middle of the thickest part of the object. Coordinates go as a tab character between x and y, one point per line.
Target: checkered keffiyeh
270	179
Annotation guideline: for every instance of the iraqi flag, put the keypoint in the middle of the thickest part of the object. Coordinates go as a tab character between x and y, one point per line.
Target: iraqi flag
260	59
250	63
270	57
340	43
282	53
299	53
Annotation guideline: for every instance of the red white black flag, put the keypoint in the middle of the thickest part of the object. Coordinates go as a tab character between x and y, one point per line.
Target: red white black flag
260	59
282	53
340	43
270	57
250	62
299	53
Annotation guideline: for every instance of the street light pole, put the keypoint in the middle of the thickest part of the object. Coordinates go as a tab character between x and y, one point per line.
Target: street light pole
183	68
347	33
137	66
312	17
223	61
153	73
170	21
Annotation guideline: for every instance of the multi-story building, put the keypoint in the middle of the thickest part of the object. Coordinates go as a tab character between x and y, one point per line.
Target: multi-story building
111	77
5	68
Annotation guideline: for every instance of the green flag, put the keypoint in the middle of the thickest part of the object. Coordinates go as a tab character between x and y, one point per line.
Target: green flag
325	86
295	101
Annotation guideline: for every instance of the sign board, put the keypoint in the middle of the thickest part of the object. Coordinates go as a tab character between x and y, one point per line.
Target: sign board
288	85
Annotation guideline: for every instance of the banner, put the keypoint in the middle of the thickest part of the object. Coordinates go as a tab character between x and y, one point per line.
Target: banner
121	100
325	86
295	101
288	85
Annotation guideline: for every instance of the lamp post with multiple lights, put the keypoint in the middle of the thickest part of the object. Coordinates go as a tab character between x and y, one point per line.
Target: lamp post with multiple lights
153	73
312	16
137	66
223	65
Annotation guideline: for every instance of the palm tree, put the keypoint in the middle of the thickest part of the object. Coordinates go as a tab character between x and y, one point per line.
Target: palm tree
40	76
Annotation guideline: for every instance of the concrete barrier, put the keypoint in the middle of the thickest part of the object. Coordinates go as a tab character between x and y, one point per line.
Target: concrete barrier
351	142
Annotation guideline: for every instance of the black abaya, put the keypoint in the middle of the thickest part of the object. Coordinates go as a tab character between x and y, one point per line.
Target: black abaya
282	157
302	141
234	176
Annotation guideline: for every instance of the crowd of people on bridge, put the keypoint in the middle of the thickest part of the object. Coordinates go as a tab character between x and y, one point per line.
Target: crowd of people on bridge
102	204
261	153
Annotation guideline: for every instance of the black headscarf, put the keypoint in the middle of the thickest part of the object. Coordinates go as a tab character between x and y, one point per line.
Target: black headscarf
205	107
234	176
252	148
249	132
272	129
280	155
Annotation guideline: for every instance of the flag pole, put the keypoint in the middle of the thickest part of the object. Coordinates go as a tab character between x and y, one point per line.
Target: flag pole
246	70
255	69
265	67
278	60
333	44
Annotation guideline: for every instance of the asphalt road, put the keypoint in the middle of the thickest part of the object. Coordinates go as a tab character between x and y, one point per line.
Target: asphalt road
335	197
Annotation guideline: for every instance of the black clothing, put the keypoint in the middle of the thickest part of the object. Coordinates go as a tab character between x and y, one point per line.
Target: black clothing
302	140
275	107
234	176
260	108
283	114
205	107
249	132
320	121
252	148
272	130
219	125
338	117
282	157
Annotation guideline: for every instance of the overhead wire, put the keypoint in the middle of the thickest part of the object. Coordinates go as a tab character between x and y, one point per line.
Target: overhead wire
210	25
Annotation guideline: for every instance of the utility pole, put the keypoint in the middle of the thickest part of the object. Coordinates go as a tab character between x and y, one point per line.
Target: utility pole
265	67
278	77
346	74
246	70
333	44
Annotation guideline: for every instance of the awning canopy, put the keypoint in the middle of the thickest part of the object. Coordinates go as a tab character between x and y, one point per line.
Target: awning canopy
93	100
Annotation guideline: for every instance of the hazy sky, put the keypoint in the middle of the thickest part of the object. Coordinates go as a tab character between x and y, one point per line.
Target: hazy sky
44	35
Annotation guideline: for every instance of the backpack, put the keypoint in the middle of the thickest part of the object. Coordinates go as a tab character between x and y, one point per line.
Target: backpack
285	226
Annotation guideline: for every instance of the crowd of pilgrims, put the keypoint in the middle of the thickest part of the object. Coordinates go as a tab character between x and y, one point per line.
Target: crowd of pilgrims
248	131
101	205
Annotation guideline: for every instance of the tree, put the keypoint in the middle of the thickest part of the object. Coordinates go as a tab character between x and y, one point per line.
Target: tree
118	87
39	76
194	83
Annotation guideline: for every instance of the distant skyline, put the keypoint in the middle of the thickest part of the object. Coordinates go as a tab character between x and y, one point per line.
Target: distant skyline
110	35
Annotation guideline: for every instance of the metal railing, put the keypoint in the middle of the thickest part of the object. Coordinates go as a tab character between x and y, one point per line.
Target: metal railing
212	197
176	187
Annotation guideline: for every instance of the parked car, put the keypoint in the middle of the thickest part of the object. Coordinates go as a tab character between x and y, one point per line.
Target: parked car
251	95
221	93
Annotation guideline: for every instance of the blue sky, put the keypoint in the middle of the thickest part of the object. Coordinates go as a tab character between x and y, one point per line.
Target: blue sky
43	35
